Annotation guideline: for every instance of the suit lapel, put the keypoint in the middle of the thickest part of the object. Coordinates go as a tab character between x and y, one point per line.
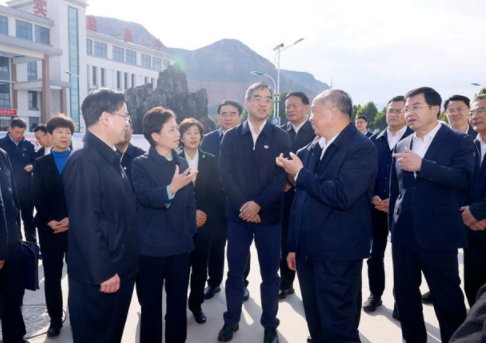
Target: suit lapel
437	142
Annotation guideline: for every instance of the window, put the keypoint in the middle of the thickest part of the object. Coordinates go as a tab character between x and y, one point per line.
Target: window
118	80
146	61
4	95
32	71
102	77
133	80
125	81
95	72
33	103
4	68
42	35
3	25
99	49
157	64
166	63
89	47
24	29
118	54
145	80
131	57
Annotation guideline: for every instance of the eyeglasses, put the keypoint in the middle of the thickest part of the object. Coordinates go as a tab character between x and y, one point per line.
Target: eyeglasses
478	112
454	110
127	117
414	108
397	111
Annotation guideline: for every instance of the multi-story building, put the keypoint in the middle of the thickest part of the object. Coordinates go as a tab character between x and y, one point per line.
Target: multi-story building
50	59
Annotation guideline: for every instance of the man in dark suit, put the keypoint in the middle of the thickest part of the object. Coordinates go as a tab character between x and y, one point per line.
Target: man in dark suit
129	152
385	142
330	229
361	123
474	215
254	187
301	133
103	238
44	140
456	108
229	116
22	155
430	170
11	275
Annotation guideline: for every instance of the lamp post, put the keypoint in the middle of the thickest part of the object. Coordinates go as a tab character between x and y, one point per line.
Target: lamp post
477	84
275	103
279	49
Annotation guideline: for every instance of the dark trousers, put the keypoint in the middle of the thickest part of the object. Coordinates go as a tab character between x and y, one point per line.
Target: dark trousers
27	214
287	275
11	294
330	292
54	251
216	253
474	272
376	261
441	270
199	263
174	270
267	241
95	316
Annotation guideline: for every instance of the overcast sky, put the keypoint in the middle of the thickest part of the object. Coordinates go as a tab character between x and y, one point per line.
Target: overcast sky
373	49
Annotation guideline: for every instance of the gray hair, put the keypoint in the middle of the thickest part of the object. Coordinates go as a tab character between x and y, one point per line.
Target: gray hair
258	85
337	98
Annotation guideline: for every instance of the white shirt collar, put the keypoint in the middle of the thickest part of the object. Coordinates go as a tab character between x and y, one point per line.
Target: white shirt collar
430	135
297	128
324	144
394	138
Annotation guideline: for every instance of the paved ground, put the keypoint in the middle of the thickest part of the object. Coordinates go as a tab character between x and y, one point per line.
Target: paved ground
377	327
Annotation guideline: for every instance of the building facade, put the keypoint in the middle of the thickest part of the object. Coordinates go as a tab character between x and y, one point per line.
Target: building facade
50	59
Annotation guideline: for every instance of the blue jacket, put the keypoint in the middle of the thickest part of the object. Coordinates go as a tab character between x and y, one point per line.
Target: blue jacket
166	226
331	212
211	143
425	208
20	155
249	173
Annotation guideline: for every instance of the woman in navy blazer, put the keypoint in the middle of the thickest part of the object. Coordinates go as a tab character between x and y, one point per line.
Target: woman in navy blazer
52	216
167	222
206	188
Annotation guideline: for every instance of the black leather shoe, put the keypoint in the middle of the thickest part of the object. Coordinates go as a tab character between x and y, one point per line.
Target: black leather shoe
270	336
283	293
395	314
372	303
54	330
199	316
309	339
226	333
246	294
210	291
427	298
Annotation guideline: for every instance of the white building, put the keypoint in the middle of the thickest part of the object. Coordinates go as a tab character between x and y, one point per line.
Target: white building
49	60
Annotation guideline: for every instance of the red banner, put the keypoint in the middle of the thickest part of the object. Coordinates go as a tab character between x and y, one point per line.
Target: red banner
7	112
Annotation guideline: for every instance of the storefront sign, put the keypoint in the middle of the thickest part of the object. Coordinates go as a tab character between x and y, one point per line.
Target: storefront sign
7	112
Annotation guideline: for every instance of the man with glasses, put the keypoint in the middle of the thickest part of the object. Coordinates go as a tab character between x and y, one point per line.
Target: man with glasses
385	142
430	170
102	236
474	215
44	140
457	110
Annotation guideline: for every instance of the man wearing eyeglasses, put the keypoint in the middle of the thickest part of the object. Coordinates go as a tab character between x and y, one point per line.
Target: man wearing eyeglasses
385	142
103	238
430	170
457	111
474	215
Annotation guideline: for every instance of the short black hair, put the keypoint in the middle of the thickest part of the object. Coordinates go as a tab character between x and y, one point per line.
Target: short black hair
60	120
362	117
99	101
300	95
154	120
233	103
396	99
41	127
18	122
187	123
432	97
456	97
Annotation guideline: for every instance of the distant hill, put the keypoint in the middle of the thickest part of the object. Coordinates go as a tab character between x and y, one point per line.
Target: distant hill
223	68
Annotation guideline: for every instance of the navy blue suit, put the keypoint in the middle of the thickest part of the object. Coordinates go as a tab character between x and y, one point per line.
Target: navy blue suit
298	140
102	238
330	232
376	264
475	253
249	173
11	275
427	229
127	158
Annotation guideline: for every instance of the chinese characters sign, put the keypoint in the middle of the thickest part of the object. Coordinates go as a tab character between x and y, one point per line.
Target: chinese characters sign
7	112
40	8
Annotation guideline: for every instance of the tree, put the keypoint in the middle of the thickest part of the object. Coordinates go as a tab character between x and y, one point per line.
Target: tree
281	110
482	91
370	111
443	117
380	121
354	111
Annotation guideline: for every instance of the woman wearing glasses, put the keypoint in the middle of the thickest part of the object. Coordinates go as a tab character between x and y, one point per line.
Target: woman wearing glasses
167	222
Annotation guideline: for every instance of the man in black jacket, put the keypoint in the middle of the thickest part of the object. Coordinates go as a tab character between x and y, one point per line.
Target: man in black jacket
22	155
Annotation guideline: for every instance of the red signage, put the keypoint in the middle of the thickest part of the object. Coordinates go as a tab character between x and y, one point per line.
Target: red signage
127	35
158	44
91	23
40	8
7	112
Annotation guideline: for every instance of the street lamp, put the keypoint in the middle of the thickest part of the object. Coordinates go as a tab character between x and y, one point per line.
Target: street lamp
477	84
279	49
275	103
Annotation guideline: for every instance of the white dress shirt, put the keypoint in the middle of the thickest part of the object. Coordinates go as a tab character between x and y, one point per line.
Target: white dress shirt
193	163
255	135
394	138
297	128
483	147
421	145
